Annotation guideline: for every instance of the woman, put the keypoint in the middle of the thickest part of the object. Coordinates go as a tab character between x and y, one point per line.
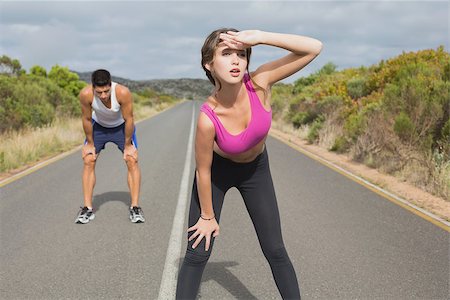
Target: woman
230	149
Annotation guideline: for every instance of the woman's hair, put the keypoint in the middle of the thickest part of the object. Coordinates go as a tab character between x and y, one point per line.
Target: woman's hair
209	48
100	78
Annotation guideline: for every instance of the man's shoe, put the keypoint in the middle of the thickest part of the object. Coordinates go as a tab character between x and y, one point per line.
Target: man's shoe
136	215
85	215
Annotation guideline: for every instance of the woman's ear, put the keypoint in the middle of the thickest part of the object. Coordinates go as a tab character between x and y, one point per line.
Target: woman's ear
208	67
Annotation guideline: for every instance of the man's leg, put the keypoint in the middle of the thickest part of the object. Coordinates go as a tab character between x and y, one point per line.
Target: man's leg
86	213
88	179
134	180
134	173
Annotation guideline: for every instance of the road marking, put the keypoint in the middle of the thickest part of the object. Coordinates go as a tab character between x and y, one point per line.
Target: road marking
382	192
168	286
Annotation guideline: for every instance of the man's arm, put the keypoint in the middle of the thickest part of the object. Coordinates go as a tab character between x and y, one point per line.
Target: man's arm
86	98
126	103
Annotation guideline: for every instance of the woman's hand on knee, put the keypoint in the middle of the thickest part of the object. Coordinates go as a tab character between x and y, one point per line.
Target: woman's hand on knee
204	229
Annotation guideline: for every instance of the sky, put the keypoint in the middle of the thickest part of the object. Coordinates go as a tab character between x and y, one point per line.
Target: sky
162	39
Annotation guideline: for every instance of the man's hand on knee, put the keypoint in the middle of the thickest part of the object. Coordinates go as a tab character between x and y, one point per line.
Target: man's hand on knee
88	149
130	153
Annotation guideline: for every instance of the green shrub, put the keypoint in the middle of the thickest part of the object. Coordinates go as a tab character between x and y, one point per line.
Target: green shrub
281	93
313	132
403	126
38	71
354	126
303	117
356	88
340	145
147	93
67	80
445	133
330	104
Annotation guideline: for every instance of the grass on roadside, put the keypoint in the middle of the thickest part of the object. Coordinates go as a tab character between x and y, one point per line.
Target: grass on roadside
25	147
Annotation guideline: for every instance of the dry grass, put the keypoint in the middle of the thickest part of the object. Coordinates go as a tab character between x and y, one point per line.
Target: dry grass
329	133
380	148
19	149
301	132
145	112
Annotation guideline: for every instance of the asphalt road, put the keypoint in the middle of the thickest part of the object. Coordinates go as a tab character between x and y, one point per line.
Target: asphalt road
345	241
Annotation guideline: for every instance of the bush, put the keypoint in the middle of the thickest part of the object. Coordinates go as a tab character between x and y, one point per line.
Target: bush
27	106
38	71
354	126
303	118
67	80
280	96
446	131
356	88
313	133
330	104
340	145
403	127
33	101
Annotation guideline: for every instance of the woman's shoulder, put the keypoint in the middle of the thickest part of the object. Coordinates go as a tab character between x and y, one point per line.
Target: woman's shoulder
210	103
258	79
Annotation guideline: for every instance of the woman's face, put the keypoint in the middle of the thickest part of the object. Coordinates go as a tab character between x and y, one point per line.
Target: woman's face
229	65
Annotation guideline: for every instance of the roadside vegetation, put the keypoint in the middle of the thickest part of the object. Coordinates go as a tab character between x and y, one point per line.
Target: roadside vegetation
392	116
40	112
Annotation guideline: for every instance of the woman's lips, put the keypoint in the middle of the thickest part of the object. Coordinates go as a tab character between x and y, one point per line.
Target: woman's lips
235	72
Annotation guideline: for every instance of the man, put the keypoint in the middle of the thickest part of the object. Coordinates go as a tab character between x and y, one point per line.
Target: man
107	116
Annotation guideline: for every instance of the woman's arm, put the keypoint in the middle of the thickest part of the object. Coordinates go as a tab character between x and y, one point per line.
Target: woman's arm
303	50
204	145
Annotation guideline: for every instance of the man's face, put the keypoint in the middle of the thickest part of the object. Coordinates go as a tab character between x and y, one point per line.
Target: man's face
103	92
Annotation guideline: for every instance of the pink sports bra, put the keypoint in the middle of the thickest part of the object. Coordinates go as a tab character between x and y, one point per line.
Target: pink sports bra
256	130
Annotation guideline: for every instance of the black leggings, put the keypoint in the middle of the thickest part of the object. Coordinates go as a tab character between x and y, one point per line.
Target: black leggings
254	182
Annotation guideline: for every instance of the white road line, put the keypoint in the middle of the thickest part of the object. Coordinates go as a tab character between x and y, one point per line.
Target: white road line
167	289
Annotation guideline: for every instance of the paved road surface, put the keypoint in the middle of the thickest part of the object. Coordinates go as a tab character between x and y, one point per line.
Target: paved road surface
345	241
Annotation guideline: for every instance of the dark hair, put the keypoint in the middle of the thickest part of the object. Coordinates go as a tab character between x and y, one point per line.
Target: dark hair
210	46
100	77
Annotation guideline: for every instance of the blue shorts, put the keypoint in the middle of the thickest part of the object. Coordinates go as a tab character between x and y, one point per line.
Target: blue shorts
116	135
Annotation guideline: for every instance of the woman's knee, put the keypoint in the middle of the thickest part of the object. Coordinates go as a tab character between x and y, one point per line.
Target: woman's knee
276	255
196	258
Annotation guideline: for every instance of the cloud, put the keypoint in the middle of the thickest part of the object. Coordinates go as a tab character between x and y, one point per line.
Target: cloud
144	40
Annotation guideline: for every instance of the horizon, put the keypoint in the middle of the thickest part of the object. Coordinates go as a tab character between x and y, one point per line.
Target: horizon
338	69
